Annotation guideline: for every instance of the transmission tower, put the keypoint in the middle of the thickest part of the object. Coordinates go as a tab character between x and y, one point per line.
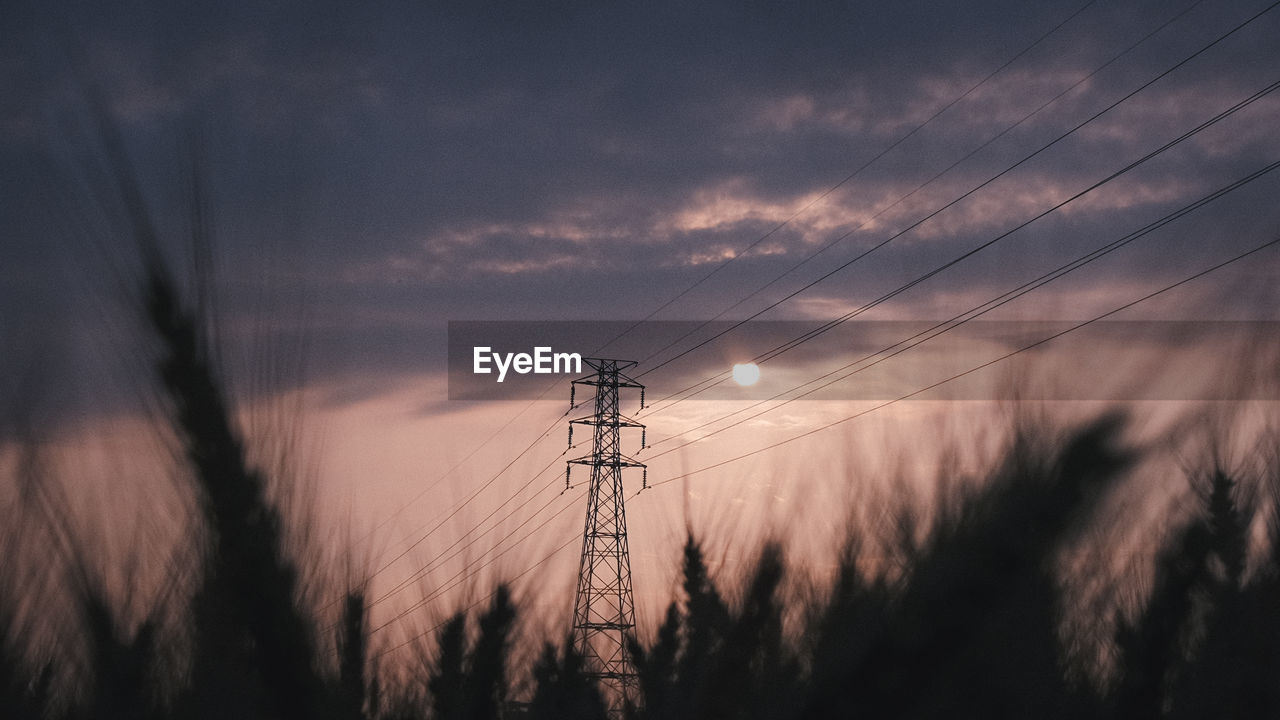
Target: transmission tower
604	611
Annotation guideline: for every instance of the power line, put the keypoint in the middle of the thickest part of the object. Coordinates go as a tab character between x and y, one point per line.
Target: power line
485	598
885	151
977	368
423	493
831	324
440	556
805	337
746	250
456	509
669	302
476	493
846	235
470	570
959	319
970	314
698	282
808	433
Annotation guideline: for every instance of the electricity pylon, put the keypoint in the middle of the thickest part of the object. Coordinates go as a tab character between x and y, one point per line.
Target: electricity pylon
604	611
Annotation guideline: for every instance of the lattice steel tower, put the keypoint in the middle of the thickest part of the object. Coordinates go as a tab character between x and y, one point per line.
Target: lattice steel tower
603	611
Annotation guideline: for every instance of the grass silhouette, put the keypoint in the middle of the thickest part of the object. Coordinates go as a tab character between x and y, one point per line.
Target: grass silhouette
964	623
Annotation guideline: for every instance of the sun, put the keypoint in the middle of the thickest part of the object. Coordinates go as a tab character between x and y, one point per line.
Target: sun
746	374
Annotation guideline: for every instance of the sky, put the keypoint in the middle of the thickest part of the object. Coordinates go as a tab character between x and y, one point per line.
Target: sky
372	172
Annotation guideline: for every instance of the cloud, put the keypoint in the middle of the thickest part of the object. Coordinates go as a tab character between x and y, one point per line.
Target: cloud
407	165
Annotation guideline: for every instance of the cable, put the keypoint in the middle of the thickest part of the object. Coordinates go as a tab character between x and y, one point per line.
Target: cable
795	342
423	493
432	564
721	376
925	184
461	505
972	313
463	574
473	495
972	370
698	282
522	573
691	349
851	175
771	446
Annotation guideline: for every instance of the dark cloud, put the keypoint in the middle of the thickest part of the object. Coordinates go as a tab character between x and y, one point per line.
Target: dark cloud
377	169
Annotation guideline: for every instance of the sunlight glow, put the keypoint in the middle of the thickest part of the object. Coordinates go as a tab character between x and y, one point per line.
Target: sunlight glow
746	374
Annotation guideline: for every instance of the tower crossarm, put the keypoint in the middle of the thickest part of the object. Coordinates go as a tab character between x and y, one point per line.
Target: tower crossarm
619	421
621	461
